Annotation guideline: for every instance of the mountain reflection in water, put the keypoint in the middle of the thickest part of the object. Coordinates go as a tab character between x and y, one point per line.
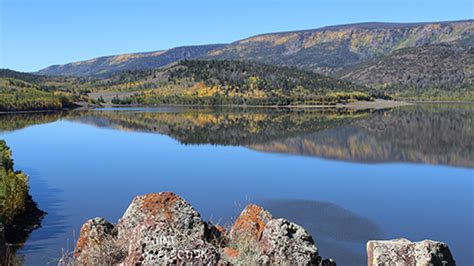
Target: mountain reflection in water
433	134
416	134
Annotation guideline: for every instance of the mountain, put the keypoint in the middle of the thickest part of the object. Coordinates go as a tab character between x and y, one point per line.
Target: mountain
106	65
326	50
331	49
421	71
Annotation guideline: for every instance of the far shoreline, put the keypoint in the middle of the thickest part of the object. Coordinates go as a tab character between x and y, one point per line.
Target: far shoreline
359	105
377	104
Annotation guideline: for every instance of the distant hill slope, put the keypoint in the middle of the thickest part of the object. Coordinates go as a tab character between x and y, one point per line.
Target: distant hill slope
331	49
326	50
106	65
216	82
418	70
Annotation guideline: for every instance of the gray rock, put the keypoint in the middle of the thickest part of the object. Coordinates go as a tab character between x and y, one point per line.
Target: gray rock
97	244
165	206
284	242
158	243
404	252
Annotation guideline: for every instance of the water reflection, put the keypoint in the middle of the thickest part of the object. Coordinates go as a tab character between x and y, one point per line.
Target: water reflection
343	203
434	134
337	230
19	213
416	134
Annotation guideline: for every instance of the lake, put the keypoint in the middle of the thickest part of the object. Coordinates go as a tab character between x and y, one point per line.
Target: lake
346	176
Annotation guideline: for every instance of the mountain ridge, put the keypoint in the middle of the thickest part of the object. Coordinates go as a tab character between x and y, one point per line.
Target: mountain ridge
106	65
325	50
367	25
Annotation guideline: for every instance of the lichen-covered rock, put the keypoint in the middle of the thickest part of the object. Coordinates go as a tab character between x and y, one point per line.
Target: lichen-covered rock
258	238
284	242
97	243
165	206
405	252
250	224
163	229
158	243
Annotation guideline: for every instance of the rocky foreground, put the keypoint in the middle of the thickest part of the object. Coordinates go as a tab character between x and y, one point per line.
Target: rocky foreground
164	229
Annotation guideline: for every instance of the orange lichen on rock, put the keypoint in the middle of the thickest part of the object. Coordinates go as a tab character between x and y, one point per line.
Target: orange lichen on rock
94	233
161	203
83	240
251	222
231	252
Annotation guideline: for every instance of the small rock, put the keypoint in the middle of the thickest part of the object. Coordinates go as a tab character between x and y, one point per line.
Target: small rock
328	262
97	243
405	252
284	242
250	224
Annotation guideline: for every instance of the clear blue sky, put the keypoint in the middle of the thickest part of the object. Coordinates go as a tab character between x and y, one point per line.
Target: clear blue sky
38	33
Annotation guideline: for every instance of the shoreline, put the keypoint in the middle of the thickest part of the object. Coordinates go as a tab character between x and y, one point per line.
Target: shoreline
377	104
359	105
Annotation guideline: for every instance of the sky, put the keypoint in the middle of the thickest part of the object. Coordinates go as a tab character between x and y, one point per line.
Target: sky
37	33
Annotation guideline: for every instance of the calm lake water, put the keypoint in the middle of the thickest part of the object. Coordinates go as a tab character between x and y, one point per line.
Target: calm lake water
345	176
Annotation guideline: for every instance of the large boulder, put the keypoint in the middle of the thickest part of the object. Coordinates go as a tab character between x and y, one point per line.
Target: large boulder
165	206
404	252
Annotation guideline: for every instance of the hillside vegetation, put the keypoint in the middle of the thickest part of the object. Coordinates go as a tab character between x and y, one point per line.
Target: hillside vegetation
437	72
219	82
13	187
332	49
18	95
407	60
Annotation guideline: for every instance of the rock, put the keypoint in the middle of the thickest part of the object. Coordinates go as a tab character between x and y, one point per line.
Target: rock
405	252
258	238
284	242
163	229
97	243
158	243
250	224
328	262
165	206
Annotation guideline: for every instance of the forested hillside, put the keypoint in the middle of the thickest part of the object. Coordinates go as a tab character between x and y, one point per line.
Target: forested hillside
440	71
233	82
332	49
26	92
